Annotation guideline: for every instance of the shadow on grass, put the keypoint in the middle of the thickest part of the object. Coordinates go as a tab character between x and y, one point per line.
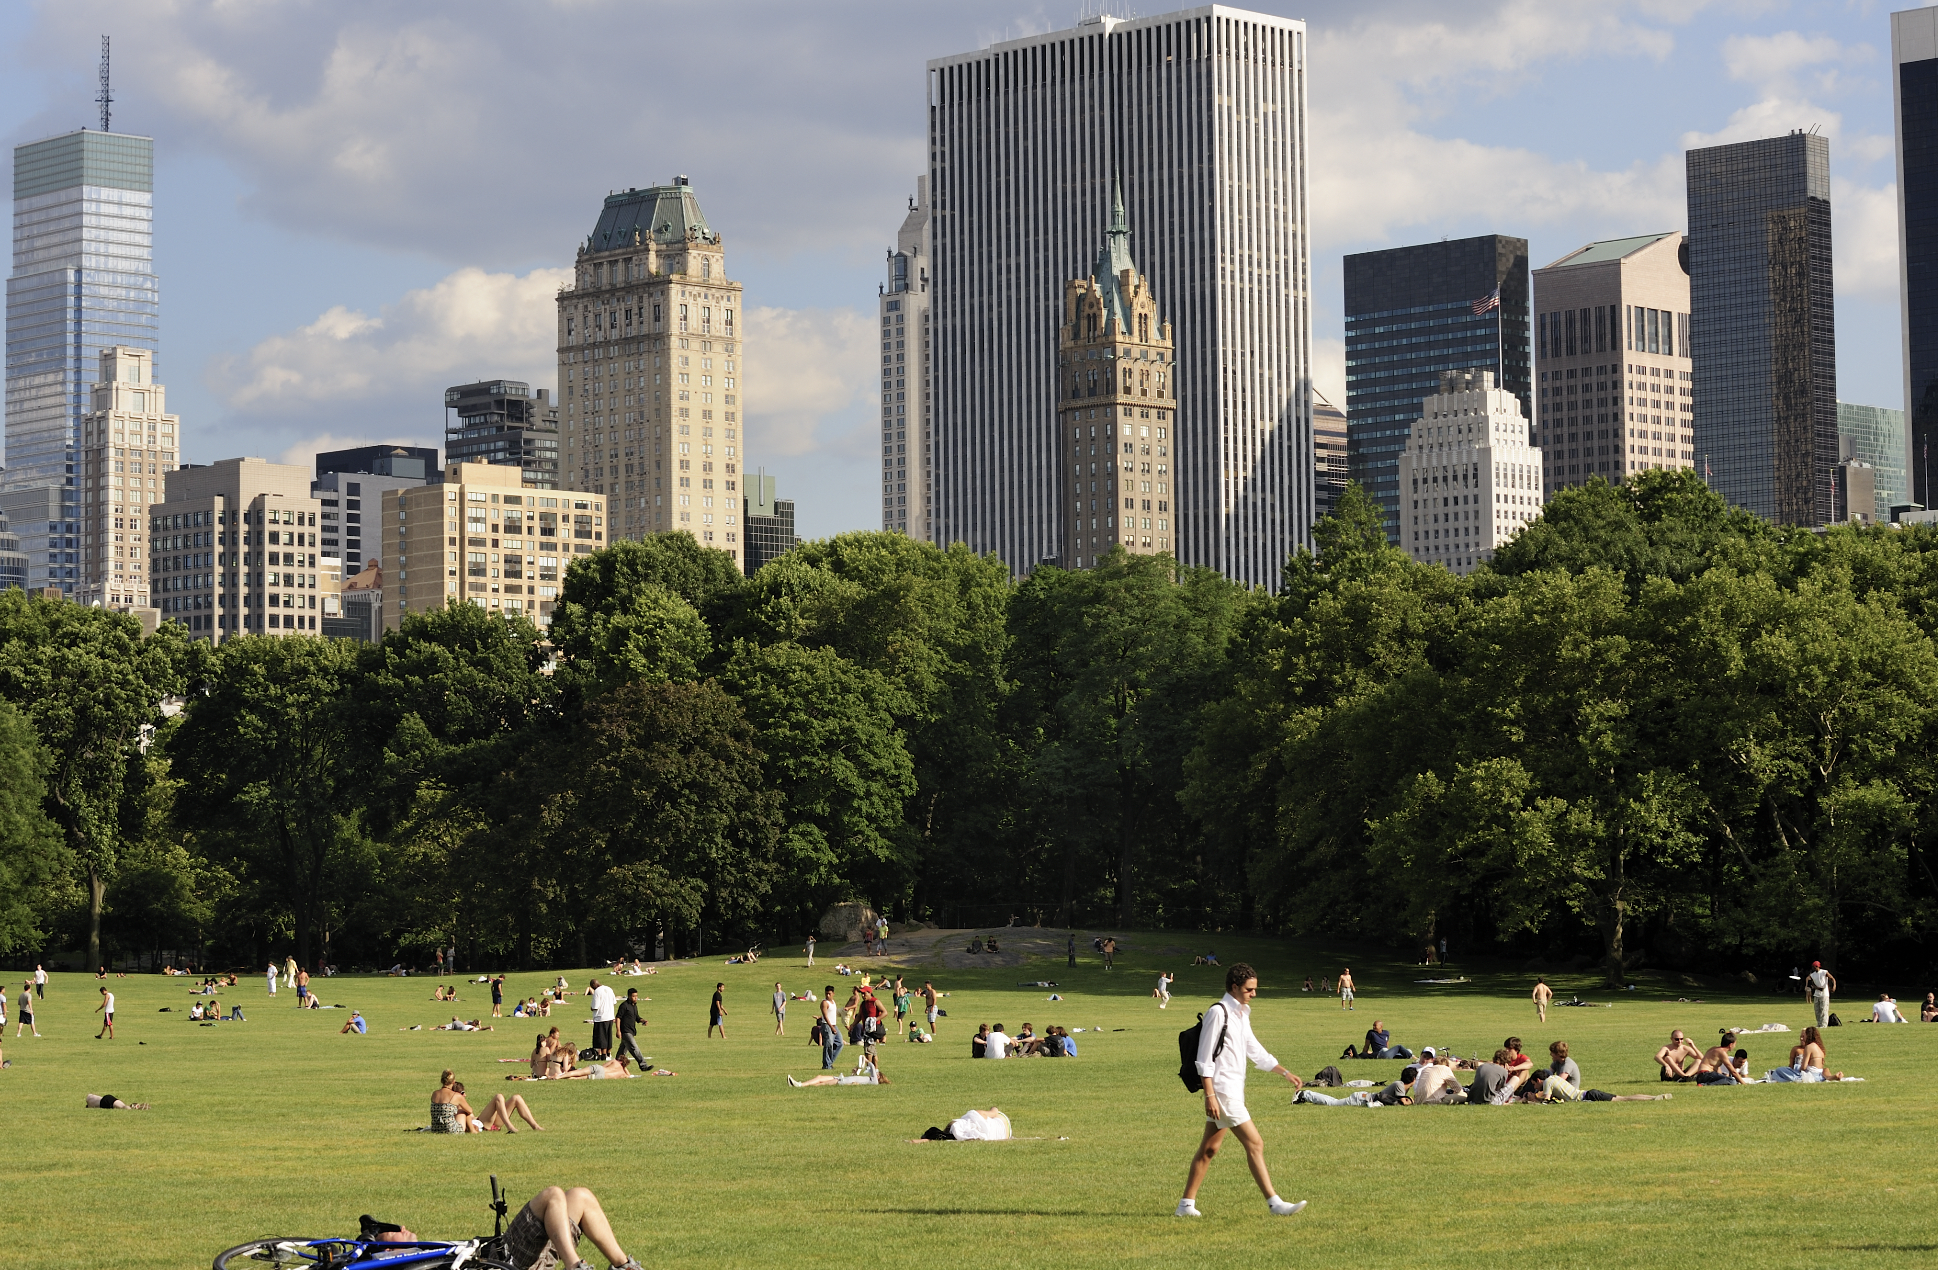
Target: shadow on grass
983	1212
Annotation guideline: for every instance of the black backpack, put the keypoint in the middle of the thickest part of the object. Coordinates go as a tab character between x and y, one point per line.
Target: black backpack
1188	1041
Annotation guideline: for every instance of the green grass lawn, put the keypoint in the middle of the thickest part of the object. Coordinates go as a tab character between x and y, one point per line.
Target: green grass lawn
281	1126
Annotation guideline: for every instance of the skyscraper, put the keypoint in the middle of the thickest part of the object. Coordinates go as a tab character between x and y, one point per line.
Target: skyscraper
1914	91
1762	324
1412	314
507	422
1469	479
1117	385
126	427
1611	347
1201	116
649	368
83	281
1330	470
908	470
1875	435
770	522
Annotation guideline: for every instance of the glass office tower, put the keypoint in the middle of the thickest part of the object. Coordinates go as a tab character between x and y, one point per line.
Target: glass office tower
1410	317
83	281
1761	319
1914	82
1201	116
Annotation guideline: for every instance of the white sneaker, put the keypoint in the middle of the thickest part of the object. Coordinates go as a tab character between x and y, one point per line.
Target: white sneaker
1188	1208
1282	1209
792	1083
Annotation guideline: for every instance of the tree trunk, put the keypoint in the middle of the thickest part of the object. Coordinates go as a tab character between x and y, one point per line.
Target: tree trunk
1609	926
1067	908
96	889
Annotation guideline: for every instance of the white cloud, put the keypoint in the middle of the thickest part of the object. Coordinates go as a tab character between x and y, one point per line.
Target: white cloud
1329	369
303	453
472	324
807	371
1864	229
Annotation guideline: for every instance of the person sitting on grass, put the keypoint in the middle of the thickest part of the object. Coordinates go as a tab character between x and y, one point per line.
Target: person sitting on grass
1435	1081
108	1102
996	1044
1740	1067
1674	1058
979	1043
355	1023
1886	1010
1928	1012
1563	1080
1717	1066
867	1072
1494	1085
451	1111
1519	1065
1806	1062
1025	1044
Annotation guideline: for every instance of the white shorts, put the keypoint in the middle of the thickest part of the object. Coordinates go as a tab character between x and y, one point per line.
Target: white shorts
1345	994
1232	1106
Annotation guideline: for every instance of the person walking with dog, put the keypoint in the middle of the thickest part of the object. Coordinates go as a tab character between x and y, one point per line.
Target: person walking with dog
1225	1043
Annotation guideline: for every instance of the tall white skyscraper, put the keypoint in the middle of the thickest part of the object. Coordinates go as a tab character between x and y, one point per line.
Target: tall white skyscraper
908	499
1200	115
1468	478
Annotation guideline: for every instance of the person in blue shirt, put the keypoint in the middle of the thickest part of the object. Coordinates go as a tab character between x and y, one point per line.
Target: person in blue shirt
355	1024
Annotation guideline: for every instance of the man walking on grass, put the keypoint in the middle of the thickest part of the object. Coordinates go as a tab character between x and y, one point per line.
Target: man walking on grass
40	982
1542	995
1346	990
717	1013
1225	1042
1817	987
780	1010
629	1025
106	1011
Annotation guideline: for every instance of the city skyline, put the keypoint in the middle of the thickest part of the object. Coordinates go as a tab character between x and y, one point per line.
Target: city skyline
373	297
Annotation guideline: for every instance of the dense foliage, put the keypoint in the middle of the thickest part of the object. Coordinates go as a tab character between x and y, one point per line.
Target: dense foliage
1653	728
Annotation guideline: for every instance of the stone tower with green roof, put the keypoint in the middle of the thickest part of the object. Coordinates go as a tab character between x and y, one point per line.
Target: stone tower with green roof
1116	408
649	344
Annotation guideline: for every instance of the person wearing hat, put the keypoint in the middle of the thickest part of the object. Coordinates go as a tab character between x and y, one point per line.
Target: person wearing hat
1817	987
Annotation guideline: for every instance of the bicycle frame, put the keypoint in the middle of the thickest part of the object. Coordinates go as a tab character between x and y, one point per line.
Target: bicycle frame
328	1252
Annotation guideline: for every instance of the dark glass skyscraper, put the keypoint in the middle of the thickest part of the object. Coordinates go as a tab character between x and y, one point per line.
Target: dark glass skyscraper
1410	315
1761	323
83	280
769	521
1914	57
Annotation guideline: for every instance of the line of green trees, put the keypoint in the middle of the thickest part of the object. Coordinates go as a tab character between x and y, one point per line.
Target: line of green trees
1654	728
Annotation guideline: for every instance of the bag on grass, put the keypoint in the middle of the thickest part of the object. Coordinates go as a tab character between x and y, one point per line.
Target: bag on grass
1188	1042
1330	1077
1835	1021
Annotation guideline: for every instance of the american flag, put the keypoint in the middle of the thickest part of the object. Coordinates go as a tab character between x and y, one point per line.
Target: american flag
1488	302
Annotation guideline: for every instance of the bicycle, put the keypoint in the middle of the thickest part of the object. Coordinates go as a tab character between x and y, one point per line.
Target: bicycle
366	1249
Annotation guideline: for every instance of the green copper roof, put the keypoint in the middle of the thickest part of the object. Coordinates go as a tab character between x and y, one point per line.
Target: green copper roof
1112	259
1612	249
662	213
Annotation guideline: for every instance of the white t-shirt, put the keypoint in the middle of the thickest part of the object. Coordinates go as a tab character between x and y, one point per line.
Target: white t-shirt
831	1013
1432	1080
1819	981
977	1126
603	1001
40	976
108	999
997	1046
1881	1012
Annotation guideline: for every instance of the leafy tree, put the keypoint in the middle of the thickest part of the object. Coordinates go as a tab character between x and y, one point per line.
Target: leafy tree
92	687
606	586
272	737
33	859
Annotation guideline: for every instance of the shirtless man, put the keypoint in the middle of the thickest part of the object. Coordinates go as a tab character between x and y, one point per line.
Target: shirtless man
928	998
1716	1067
1346	988
1670	1057
1543	994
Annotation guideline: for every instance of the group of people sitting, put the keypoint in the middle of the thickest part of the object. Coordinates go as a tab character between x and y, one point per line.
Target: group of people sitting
451	1111
1510	1076
1682	1060
981	945
555	1058
212	1013
637	967
992	1042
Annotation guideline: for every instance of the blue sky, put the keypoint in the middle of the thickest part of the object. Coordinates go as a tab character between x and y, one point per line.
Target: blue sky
358	203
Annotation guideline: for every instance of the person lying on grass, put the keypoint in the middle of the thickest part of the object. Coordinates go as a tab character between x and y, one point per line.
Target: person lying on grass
867	1072
1674	1057
550	1226
608	1069
108	1102
462	1025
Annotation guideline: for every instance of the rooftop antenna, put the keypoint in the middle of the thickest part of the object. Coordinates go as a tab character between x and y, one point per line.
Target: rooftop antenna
106	98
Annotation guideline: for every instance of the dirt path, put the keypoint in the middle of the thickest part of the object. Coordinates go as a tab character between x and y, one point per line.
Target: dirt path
949	948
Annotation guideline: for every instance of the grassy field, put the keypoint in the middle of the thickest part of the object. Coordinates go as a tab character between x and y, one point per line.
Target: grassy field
281	1126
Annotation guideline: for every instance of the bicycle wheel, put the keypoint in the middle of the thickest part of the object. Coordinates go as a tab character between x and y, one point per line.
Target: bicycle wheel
261	1252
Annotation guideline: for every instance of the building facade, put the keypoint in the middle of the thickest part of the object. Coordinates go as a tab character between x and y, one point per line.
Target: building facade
1874	435
83	282
908	468
1914	95
482	537
770	522
1331	466
1763	326
352	507
1615	390
650	368
1469	478
507	422
48	547
232	548
418	463
1412	314
128	446
1117	393
13	559
1201	115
